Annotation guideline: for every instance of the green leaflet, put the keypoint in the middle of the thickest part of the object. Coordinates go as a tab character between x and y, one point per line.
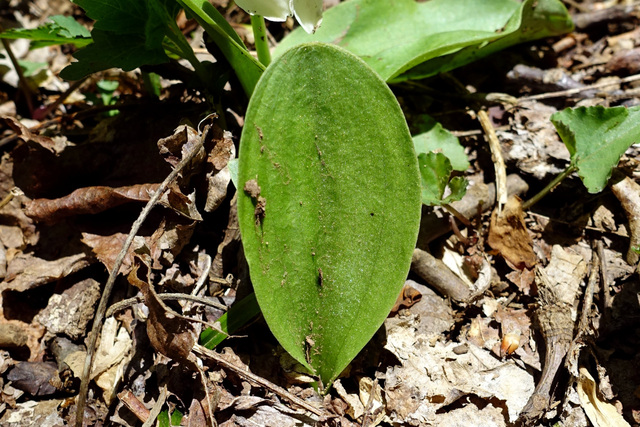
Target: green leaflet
596	137
435	170
330	210
405	39
61	30
437	138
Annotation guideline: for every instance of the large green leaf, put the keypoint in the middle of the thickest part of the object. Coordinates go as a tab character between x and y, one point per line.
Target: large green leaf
596	138
329	233
405	39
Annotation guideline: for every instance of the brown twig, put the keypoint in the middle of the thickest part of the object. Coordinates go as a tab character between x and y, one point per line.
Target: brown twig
554	320
439	276
496	156
605	324
588	296
72	87
241	371
157	408
102	307
608	300
121	305
569	92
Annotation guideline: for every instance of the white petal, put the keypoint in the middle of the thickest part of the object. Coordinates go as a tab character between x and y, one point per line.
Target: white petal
308	13
273	10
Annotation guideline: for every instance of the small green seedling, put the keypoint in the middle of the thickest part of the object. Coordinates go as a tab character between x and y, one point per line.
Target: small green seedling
596	138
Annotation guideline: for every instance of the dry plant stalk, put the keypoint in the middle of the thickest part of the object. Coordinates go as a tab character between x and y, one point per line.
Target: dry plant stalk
556	326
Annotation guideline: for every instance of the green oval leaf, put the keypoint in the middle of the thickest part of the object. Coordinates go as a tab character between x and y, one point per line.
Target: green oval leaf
330	210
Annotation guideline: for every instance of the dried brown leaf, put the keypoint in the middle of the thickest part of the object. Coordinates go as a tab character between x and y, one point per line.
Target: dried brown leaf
164	245
26	135
107	248
12	335
173	148
508	235
229	244
23	229
26	272
223	150
89	200
196	417
523	279
168	333
408	297
183	205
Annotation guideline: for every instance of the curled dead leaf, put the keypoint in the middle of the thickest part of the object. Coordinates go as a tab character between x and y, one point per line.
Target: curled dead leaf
169	333
508	235
408	297
89	200
26	135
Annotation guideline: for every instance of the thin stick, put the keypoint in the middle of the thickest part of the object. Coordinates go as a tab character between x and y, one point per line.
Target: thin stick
498	160
212	355
588	295
605	324
453	211
121	305
72	87
15	191
569	92
102	307
157	408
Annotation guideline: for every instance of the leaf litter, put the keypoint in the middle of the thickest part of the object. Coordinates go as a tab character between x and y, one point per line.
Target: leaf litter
549	337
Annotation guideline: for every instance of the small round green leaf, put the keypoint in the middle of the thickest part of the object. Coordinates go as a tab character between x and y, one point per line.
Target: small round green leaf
328	203
596	138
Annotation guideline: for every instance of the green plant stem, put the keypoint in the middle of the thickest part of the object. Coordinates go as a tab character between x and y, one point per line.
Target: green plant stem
453	211
247	68
23	83
185	51
261	41
535	199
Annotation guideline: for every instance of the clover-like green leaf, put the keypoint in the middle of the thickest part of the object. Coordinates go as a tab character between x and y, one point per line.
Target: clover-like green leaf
406	39
435	170
596	137
328	203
